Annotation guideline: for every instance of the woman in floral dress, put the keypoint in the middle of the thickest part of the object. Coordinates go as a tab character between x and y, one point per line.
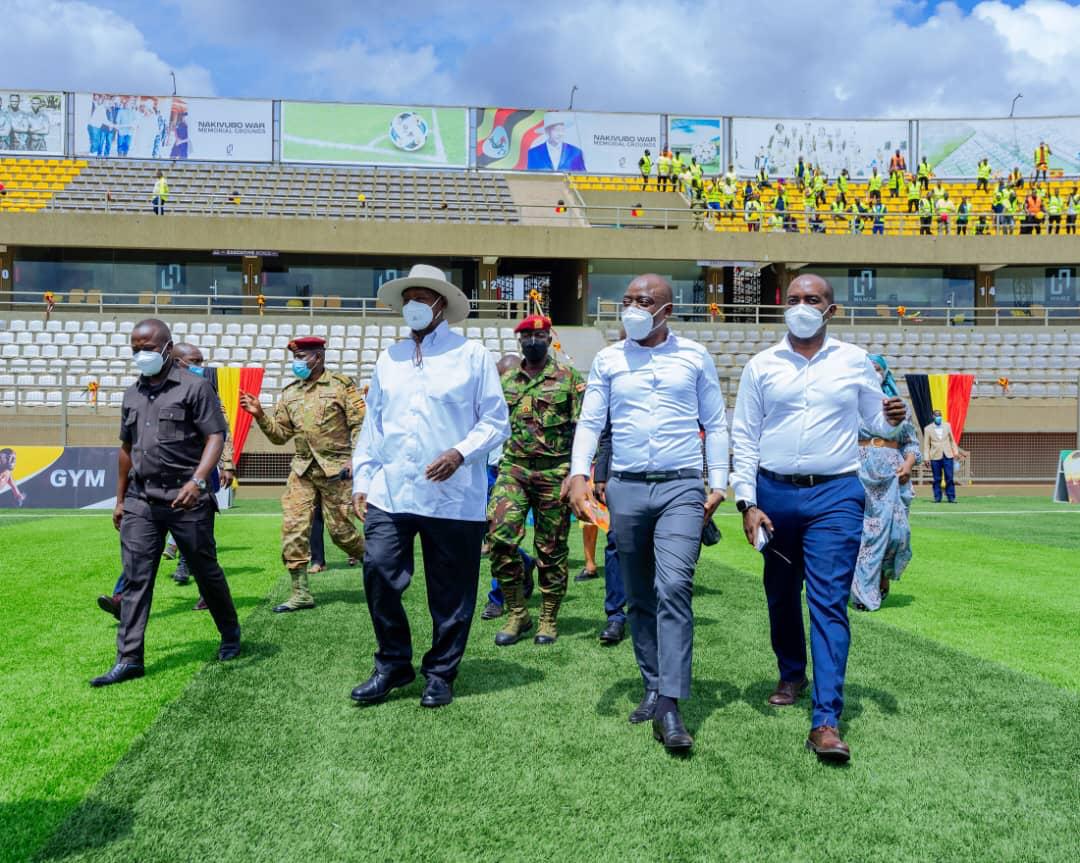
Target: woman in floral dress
885	466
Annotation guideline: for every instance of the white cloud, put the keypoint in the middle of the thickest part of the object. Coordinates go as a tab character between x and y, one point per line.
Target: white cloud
385	74
78	46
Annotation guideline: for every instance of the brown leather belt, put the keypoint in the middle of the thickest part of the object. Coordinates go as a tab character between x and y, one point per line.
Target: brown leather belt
879	442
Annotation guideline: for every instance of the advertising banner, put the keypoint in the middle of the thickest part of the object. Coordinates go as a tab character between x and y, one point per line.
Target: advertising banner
374	134
858	145
1067	484
31	122
56	477
954	147
566	141
113	126
700	137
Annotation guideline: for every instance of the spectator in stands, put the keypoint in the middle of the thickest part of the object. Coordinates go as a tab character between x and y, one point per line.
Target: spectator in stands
1072	204
729	190
963	212
873	184
1000	202
800	174
172	434
840	212
939	191
912	194
1042	161
161	193
796	486
943	208
7	475
885	465
696	171
1033	214
897	169
645	167
924	174
663	170
982	176
1054	206
819	183
940	449
926	214
435	409
763	176
842	181
1016	179
880	212
697	210
752	212
1013	208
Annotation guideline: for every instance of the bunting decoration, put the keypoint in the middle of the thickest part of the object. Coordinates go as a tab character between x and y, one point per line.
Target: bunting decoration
230	382
950	394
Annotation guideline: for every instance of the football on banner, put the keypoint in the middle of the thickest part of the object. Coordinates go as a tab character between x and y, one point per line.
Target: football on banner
408	131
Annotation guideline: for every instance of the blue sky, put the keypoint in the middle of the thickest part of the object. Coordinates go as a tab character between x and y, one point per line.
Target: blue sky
843	58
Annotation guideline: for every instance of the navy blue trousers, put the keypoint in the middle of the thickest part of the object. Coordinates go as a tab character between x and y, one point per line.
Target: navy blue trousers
819	530
614	589
938	467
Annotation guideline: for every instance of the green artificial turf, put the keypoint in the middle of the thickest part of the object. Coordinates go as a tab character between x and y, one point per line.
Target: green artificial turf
962	700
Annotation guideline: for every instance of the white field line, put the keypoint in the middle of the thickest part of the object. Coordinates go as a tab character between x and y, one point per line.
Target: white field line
434	159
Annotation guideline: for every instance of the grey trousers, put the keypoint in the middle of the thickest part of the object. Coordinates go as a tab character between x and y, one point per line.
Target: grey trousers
659	528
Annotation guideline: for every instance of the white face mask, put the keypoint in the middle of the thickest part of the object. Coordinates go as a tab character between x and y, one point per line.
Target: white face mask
149	363
638	323
418	316
804	321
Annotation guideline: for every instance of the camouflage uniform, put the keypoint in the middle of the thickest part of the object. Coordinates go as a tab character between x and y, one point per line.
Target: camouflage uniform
536	460
325	418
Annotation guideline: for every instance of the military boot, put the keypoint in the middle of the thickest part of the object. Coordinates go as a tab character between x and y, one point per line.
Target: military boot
518	621
300	598
547	633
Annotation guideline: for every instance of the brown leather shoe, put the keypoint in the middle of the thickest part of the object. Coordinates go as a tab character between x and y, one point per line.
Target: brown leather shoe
824	741
787	692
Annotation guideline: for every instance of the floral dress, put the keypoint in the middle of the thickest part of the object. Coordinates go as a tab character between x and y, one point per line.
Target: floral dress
886	539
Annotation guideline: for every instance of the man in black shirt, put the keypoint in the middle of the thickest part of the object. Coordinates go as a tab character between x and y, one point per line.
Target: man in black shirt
172	432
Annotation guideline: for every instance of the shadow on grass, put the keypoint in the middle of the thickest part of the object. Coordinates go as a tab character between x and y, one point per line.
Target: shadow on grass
757	695
898	600
485	676
91	826
194	652
708	696
185	604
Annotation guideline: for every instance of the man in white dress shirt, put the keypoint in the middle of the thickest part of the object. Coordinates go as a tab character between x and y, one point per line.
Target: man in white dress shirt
660	390
795	444
435	408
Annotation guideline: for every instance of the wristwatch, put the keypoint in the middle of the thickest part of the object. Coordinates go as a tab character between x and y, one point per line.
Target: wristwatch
744	505
200	484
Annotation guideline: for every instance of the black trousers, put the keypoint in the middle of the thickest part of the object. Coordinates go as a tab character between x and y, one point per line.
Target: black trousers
142	539
451	550
318	528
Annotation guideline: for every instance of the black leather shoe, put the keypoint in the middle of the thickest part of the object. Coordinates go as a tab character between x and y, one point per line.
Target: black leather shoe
614	632
377	687
109	605
491	611
437	693
670	731
647	709
587	575
230	647
118	674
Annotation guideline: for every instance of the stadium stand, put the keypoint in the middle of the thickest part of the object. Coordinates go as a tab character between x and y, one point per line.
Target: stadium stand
289	190
31	184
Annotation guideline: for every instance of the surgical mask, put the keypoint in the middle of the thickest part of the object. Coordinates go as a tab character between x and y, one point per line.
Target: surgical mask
418	316
197	370
534	352
937	421
638	323
301	369
804	321
149	363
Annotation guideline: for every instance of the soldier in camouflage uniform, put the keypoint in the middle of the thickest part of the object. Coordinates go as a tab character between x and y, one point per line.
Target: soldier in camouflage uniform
323	411
544	398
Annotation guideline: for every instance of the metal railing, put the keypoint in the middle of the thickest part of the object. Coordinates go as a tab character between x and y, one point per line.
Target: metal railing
880	315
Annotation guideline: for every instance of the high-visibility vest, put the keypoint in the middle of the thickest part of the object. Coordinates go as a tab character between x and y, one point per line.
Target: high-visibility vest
999	197
819	183
645	165
1042	156
753	211
939	192
763	174
161	189
663	165
983	171
924	169
729	191
713	194
913	191
800	170
781	201
1053	205
695	170
838	208
874	183
925	207
842	185
731	178
1033	205
1015	177
879	214
676	164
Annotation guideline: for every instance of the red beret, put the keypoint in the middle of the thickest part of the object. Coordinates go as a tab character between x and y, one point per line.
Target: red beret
307	342
533	322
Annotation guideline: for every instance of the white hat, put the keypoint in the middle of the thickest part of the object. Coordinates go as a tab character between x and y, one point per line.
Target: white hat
558	118
434	279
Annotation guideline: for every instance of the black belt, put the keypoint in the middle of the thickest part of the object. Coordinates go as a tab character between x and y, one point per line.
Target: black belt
656	475
805	480
540	462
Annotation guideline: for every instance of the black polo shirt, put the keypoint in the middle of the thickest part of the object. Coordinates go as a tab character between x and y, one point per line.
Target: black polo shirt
167	426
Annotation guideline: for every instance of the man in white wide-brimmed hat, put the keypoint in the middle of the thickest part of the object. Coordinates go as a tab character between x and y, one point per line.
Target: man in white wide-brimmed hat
435	408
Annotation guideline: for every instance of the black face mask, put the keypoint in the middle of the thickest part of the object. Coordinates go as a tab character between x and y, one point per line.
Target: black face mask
534	352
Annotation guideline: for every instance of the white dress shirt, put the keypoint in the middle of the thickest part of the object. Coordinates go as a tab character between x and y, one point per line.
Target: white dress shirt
656	397
416	412
802	416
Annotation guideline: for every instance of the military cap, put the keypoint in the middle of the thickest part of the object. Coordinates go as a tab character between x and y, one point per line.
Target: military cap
304	343
533	322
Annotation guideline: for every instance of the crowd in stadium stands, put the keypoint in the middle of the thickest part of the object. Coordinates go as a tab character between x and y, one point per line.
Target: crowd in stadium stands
1030	205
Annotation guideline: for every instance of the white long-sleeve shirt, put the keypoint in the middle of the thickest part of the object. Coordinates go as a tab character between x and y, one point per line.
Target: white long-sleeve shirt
657	397
800	416
416	412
